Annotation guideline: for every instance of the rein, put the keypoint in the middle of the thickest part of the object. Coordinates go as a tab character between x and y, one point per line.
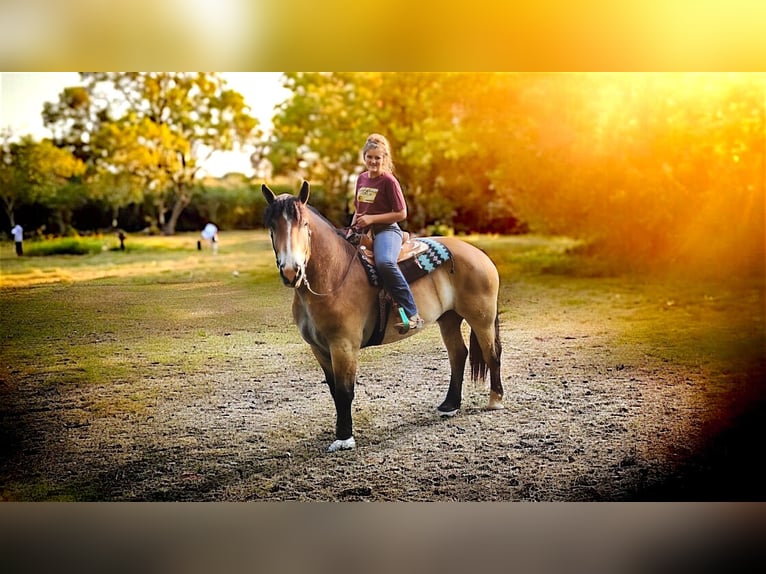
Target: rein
342	281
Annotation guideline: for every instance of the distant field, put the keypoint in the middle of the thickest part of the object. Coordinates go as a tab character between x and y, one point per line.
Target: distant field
145	258
164	372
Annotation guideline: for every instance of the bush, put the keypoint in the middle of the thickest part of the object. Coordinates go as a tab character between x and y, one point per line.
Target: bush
64	246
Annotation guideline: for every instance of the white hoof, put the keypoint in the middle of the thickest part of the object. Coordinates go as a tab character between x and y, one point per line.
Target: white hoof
445	414
495	402
346	444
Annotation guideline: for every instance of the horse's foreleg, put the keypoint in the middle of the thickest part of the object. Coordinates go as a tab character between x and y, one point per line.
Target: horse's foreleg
326	363
449	324
344	363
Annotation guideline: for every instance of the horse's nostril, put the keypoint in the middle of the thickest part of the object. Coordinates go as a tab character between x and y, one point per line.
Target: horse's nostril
290	274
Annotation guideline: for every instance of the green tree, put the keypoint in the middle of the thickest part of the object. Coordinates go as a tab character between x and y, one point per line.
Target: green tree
437	125
33	171
645	168
318	132
116	190
157	127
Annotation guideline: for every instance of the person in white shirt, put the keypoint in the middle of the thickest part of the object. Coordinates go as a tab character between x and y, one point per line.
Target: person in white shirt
210	233
18	238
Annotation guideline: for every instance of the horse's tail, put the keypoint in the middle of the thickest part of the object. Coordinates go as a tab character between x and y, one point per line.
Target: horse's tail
476	357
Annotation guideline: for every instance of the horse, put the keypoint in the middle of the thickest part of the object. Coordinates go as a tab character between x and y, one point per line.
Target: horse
336	308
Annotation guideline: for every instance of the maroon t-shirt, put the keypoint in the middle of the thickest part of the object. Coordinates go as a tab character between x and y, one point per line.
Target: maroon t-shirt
377	195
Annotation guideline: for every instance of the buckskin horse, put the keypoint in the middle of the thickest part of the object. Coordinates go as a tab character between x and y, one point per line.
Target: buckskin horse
337	310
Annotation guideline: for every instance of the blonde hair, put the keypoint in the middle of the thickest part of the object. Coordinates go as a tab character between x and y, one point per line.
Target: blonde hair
377	141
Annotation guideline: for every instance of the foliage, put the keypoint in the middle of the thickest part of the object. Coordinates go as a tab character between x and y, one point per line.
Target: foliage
645	167
318	134
154	128
33	172
64	246
231	202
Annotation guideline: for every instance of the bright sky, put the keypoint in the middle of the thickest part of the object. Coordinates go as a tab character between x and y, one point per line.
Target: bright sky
22	96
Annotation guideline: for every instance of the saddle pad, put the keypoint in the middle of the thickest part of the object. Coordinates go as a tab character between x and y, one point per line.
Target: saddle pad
416	261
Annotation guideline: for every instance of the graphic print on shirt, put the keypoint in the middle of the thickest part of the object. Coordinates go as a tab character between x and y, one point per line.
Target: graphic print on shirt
367	194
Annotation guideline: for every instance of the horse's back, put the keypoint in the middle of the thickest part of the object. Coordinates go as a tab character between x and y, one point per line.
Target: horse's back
468	284
471	265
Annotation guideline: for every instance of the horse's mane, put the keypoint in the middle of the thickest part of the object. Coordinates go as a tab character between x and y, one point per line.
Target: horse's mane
282	204
340	232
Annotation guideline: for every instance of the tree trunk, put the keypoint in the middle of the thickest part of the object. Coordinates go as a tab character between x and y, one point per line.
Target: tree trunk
9	212
160	214
63	221
182	200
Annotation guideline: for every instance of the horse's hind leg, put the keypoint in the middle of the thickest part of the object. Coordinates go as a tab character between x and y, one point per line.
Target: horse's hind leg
485	342
495	383
449	323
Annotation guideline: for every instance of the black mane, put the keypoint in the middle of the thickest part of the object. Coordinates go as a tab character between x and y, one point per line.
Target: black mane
283	204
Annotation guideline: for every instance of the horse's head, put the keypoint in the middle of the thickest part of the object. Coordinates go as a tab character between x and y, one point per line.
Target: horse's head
287	219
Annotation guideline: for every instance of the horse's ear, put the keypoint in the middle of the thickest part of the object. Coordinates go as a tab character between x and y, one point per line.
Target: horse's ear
267	193
304	194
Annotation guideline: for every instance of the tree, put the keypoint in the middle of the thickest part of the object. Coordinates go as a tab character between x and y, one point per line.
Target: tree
116	191
648	168
157	127
72	120
319	131
33	171
644	168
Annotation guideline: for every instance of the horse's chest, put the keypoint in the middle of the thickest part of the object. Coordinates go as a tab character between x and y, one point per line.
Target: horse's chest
309	322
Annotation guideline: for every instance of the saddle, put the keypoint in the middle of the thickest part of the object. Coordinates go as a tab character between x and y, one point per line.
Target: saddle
410	248
417	258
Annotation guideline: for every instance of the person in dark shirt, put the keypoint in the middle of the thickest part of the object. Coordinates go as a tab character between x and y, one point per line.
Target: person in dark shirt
380	206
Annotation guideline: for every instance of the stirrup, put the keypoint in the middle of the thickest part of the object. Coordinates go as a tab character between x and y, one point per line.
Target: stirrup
407	325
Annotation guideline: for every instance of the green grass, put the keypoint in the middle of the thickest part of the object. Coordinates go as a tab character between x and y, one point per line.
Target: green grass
145	259
64	246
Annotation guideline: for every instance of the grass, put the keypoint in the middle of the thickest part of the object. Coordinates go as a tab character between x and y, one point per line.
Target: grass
133	324
145	260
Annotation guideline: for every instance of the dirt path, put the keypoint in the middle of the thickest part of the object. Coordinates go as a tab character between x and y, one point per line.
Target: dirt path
585	420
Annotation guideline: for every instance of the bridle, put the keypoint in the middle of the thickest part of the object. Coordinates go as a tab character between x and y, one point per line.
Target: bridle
305	277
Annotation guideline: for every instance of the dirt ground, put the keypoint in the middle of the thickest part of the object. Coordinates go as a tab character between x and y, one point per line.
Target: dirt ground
583	421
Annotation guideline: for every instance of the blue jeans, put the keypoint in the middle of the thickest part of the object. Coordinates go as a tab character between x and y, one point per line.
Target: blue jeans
386	247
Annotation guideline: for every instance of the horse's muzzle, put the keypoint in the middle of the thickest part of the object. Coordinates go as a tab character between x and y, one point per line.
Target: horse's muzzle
291	276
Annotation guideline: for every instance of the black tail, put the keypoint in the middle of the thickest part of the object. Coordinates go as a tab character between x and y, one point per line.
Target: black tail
478	364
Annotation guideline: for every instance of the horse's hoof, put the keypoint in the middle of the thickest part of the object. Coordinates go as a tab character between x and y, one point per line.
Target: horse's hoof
495	402
447	413
346	444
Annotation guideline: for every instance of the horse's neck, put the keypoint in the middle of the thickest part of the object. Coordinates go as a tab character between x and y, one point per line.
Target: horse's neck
330	256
